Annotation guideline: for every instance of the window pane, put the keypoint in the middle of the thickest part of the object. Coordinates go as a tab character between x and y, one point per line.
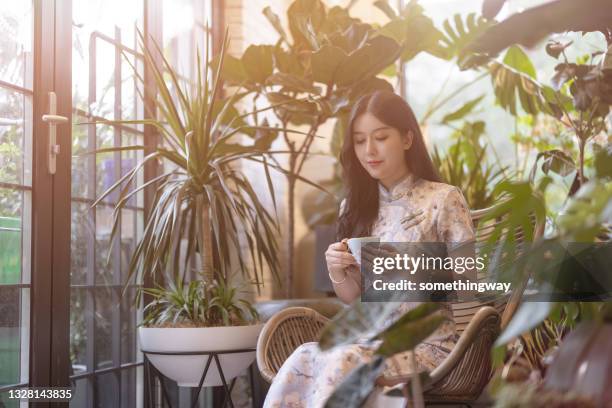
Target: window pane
15	141
14	334
107	390
16	42
78	330
81	394
16	30
10	235
185	32
81	244
106	306
104	85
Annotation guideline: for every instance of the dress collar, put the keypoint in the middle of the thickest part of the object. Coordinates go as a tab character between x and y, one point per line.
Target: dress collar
398	190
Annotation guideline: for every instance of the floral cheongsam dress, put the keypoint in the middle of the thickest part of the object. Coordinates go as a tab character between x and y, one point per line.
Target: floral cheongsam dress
414	210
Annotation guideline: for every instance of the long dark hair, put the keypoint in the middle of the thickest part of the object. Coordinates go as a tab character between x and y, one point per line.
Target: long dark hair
361	204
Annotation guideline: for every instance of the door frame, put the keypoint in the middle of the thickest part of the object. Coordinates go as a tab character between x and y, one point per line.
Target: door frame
50	274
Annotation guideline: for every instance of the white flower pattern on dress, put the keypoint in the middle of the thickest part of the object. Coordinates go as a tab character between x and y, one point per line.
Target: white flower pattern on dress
414	210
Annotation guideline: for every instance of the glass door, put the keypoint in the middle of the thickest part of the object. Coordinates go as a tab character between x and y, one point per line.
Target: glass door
106	365
16	92
34	178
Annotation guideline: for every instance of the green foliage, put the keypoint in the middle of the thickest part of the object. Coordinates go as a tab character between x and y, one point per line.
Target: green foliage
463	111
408	333
414	30
530	395
197	304
203	198
457	38
465	164
514	82
586	216
369	321
531	25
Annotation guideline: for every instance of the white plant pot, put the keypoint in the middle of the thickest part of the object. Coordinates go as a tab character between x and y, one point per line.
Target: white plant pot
187	370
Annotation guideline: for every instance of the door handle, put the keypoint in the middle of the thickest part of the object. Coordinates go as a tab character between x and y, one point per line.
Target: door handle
53	120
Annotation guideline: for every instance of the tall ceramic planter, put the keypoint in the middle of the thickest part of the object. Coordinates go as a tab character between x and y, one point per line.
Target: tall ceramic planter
187	370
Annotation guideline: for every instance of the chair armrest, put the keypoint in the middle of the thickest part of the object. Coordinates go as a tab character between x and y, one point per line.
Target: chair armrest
282	334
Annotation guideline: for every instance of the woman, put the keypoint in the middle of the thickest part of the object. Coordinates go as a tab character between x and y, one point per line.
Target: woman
393	192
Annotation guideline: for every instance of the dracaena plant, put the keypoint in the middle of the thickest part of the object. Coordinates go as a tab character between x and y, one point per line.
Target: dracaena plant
203	199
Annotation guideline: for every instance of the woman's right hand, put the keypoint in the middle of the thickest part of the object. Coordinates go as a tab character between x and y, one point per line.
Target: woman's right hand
338	258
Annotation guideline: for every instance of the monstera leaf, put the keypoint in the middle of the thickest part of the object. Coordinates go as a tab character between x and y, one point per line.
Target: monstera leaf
514	78
458	34
414	31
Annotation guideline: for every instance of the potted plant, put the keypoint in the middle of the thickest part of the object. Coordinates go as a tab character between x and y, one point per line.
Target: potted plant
204	211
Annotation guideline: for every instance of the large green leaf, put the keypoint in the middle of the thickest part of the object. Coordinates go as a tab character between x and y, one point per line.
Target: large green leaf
338	18
603	160
285	104
350	38
292	83
458	34
233	69
325	63
512	82
360	320
287	62
305	18
555	161
368	60
414	31
531	25
588	211
490	8
408	335
516	58
257	62
528	316
368	86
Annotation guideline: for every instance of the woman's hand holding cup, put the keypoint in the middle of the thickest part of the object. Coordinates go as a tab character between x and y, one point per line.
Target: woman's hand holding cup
338	258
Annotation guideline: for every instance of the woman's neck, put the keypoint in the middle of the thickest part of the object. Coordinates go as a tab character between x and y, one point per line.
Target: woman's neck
388	184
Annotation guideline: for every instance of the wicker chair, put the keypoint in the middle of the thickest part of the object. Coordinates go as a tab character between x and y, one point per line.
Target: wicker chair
460	378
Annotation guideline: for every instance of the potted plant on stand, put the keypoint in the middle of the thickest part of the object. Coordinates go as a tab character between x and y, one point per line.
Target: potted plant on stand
205	217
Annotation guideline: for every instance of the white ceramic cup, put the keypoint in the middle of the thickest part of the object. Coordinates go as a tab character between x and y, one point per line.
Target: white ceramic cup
355	244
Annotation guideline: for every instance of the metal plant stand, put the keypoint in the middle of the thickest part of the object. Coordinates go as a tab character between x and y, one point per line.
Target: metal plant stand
150	371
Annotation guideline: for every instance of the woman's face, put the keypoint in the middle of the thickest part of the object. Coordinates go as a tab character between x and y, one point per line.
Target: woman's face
380	149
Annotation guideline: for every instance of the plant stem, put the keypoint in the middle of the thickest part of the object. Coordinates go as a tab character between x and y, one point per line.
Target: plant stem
291	227
581	161
206	251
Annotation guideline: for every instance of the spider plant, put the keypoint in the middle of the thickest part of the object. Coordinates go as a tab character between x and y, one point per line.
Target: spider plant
203	200
197	304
